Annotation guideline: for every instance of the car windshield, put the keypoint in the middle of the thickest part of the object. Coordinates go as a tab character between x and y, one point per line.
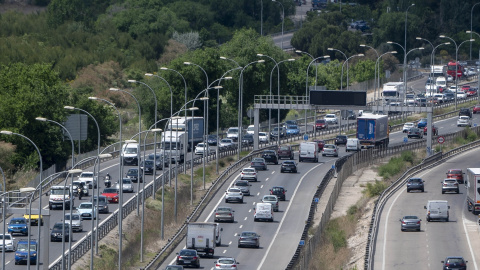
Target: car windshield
455	172
233	130
24	247
133	171
85	206
262	134
320	121
269	198
130	150
292	127
415	180
284	148
7	237
450	181
74	217
289	162
152	157
329	116
86	175
18	221
249	234
59	226
126	181
225	141
329	146
110	190
200	145
249	170
226	261
241	184
277	189
59	191
455	260
148	163
410	217
257	160
224	209
187	253
234	190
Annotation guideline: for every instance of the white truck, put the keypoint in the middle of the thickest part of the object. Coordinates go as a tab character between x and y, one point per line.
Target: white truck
392	90
204	237
130	154
438	70
58	196
472	183
181	134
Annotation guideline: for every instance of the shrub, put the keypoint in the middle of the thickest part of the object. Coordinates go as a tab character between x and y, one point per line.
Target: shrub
376	189
336	236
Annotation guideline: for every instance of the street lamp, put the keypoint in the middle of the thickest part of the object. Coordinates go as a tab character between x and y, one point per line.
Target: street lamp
155	138
139	137
278	93
278	84
377	63
192	109
316	66
120	203
431	56
186	139
355	55
346	58
471	28
42	119
240	104
306	85
456	62
478	75
375	68
6	132
406	18
283	18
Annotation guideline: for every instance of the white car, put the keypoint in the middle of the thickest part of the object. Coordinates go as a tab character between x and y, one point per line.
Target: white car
234	194
75	221
249	174
464	121
439	97
226	263
85	210
127	185
226	144
8	242
407	126
263	137
232	133
251	129
87	179
202	148
461	94
331	118
452	89
449	78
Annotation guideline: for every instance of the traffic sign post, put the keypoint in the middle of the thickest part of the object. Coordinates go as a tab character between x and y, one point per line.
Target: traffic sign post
441	140
305	137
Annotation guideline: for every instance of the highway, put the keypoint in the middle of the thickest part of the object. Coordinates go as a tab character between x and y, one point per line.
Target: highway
436	240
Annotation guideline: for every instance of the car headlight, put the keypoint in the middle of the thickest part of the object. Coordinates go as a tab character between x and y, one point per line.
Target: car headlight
34	254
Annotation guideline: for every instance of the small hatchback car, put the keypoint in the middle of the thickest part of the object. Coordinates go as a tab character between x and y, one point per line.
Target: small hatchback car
457	263
288	166
273	200
234	194
279	192
330	150
223	213
244	186
415	184
341	139
456	174
188	257
270	156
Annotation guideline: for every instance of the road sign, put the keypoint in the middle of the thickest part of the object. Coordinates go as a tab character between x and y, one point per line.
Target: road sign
305	137
302	243
440	139
316	200
405	139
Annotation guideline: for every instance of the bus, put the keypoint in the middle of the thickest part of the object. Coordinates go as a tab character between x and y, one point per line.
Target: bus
451	69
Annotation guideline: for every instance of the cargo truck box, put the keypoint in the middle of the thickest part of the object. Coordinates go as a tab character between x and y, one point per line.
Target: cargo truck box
373	130
472	183
203	237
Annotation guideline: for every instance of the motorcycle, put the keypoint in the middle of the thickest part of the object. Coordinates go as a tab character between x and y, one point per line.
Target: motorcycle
108	182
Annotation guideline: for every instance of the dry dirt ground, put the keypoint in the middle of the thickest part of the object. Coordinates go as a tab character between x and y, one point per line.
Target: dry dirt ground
350	194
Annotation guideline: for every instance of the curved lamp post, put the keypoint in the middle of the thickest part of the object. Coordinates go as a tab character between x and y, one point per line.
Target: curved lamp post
6	132
478	75
278	84
377	63
120	203
355	55
283	18
306	85
375	68
471	28
278	93
346	58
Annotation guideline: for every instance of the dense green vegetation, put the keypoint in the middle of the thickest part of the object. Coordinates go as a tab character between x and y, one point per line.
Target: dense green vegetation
80	48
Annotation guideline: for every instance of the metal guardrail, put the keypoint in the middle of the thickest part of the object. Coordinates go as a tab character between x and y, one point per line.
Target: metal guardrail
387	193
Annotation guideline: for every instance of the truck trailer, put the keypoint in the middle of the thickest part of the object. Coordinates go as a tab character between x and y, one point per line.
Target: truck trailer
472	183
373	130
393	90
203	237
181	134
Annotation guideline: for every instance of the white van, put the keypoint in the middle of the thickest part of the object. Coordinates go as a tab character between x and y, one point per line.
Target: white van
130	154
437	210
441	82
353	144
308	151
251	129
263	211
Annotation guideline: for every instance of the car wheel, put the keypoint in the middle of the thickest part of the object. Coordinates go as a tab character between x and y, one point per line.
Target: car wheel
443	192
254	220
447	219
408	190
423	190
239	246
458	191
226	201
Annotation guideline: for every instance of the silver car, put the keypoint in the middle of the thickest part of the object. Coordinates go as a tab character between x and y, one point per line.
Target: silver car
330	150
233	194
273	200
75	221
226	263
244	186
464	121
85	210
410	223
226	144
449	185
127	185
224	213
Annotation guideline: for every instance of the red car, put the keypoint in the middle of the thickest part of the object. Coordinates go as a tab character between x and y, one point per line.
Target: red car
465	88
456	174
434	128
320	144
321	124
111	194
476	108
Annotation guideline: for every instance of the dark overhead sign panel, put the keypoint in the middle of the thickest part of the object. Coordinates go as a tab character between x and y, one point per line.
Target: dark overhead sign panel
338	98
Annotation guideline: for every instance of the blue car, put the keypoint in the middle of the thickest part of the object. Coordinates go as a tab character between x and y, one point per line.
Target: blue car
18	225
292	130
422	123
21	254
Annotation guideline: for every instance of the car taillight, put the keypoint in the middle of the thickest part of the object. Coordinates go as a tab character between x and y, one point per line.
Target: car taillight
194	258
403	222
418	222
217	265
444	185
179	257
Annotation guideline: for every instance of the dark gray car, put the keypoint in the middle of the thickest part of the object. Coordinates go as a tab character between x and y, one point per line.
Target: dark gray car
415	184
244	186
102	204
249	239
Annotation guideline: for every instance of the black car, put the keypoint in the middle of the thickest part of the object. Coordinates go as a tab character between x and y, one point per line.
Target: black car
134	176
457	263
212	140
279	192
465	111
158	160
274	133
415	132
415	184
188	257
247	139
270	156
102	204
288	166
148	167
57	232
341	139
